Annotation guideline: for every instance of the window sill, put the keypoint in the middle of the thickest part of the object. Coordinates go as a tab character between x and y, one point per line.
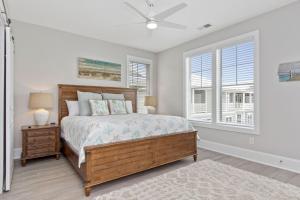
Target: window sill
224	127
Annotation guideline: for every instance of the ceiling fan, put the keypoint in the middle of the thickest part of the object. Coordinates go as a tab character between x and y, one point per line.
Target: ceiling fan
152	22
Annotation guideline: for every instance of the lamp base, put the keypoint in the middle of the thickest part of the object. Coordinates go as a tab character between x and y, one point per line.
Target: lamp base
151	110
41	117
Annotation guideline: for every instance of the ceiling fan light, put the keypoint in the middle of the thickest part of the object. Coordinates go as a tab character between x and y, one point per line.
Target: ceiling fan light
152	25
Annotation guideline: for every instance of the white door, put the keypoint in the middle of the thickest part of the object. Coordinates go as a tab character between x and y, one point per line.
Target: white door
9	109
2	39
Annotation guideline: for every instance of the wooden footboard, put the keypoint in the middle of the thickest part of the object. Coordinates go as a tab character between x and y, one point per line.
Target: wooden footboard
115	160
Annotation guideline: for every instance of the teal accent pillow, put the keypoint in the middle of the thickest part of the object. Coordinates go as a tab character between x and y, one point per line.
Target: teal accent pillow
99	107
117	107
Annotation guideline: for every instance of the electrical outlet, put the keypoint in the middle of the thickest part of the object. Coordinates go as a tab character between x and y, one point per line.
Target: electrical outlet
280	161
251	140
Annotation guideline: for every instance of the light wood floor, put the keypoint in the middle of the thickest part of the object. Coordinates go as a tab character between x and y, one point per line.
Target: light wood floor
56	180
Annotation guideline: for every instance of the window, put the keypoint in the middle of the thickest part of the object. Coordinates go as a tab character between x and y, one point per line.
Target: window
229	119
239	97
200	81
199	96
231	97
247	97
221	84
252	98
239	118
237	74
138	76
249	118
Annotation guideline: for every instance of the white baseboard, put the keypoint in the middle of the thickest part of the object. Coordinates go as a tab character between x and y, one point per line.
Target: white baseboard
281	162
17	153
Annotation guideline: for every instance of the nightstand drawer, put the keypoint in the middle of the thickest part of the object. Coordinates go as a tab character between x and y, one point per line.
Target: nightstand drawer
41	133
40	146
40	151
41	139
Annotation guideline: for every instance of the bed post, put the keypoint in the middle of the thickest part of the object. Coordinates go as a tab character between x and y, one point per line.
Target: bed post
87	191
195	156
87	181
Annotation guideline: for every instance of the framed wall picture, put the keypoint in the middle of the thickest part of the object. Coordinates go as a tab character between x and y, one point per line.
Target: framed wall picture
289	72
99	70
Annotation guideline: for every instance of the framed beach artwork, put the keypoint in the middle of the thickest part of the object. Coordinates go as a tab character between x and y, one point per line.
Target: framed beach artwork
289	72
99	70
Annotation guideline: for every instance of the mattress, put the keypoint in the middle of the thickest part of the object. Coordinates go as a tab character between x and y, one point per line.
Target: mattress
82	131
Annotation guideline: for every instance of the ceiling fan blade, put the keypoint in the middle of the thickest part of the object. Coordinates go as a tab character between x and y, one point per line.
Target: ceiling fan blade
169	11
129	24
136	10
172	25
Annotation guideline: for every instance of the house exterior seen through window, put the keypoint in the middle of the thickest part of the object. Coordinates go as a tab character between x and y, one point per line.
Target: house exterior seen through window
201	85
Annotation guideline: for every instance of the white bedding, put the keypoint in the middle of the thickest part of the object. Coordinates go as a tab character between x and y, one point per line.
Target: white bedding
82	131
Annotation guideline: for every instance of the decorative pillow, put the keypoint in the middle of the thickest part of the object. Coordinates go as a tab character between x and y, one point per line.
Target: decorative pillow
117	107
83	99
73	108
128	105
111	96
99	107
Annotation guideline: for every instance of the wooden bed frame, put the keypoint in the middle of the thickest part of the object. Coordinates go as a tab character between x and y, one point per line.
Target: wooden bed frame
107	162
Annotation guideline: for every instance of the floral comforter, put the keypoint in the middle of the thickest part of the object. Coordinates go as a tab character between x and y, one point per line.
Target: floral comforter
82	131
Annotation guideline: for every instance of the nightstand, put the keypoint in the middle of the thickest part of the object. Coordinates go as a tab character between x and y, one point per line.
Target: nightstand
40	141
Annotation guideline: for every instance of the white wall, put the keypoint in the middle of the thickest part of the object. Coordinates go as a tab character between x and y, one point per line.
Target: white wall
279	102
2	39
46	57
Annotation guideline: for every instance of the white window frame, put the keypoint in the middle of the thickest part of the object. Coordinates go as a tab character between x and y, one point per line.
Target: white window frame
143	61
254	36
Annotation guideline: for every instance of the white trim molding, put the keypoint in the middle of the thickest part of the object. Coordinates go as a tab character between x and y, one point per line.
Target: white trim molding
17	153
225	127
144	61
277	161
214	49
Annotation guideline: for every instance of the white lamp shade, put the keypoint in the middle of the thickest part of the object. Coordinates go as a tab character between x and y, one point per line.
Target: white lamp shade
40	100
150	101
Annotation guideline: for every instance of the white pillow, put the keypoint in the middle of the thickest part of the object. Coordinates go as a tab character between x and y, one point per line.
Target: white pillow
73	108
111	96
83	99
117	107
128	105
99	107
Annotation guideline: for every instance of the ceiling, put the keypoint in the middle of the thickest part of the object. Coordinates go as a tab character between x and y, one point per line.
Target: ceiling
110	20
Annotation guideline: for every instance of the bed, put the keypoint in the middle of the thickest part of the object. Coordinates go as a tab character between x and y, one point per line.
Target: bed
97	163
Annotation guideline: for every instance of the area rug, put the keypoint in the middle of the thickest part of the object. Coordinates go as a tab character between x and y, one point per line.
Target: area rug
206	180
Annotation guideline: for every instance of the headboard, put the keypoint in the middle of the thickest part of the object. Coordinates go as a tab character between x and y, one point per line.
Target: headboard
69	92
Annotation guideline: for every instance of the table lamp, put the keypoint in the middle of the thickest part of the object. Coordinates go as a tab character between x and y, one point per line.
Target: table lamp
40	102
150	102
